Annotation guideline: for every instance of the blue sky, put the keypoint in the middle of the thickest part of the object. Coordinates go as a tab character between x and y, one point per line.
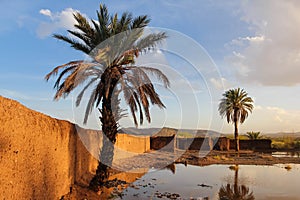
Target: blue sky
253	44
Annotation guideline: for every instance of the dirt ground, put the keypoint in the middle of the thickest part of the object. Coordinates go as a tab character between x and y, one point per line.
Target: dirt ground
163	159
232	157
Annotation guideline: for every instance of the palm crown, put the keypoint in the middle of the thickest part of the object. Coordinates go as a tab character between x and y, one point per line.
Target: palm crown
235	105
112	44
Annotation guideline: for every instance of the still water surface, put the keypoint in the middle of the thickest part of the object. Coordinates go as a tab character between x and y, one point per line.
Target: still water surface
295	154
254	182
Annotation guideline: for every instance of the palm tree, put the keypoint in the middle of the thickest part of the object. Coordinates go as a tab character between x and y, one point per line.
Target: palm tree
253	135
236	106
112	44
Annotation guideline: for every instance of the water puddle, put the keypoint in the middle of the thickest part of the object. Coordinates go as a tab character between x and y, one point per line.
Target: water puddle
216	182
286	154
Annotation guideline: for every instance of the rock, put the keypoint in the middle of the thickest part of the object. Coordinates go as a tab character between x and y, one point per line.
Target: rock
204	185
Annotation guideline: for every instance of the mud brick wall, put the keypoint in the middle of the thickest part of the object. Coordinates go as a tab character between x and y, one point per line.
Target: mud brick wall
261	144
41	157
222	144
136	144
130	145
163	143
36	153
194	143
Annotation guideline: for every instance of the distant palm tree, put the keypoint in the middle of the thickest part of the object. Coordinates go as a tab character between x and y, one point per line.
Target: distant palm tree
253	135
236	106
112	44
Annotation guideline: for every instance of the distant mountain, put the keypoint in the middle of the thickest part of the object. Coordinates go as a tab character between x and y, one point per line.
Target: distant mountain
274	135
149	131
282	134
210	133
136	131
170	132
166	131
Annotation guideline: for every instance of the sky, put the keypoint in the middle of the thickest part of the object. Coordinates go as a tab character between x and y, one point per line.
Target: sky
218	45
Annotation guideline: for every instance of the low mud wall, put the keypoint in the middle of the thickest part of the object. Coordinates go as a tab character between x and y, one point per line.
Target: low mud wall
261	144
222	144
41	157
203	143
87	145
163	143
130	145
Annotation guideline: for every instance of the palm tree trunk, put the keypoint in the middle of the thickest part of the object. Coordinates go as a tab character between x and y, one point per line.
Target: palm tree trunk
236	136
109	130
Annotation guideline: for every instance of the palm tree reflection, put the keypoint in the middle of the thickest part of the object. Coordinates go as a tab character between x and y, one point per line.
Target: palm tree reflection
235	191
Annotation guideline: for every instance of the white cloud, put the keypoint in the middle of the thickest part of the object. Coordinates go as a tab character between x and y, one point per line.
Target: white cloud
255	39
279	119
277	110
288	118
266	121
220	84
13	94
17	95
243	41
46	12
258	107
271	56
58	20
270	119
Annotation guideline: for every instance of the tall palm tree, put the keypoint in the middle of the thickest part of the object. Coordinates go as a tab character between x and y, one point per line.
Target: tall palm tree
112	44
235	106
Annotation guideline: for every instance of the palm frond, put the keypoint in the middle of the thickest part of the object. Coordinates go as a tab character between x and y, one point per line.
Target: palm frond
80	95
154	97
157	73
124	22
89	106
56	69
84	25
75	44
140	22
150	41
144	103
82	37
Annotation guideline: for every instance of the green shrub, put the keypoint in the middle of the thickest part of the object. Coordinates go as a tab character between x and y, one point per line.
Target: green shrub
286	143
185	135
253	135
